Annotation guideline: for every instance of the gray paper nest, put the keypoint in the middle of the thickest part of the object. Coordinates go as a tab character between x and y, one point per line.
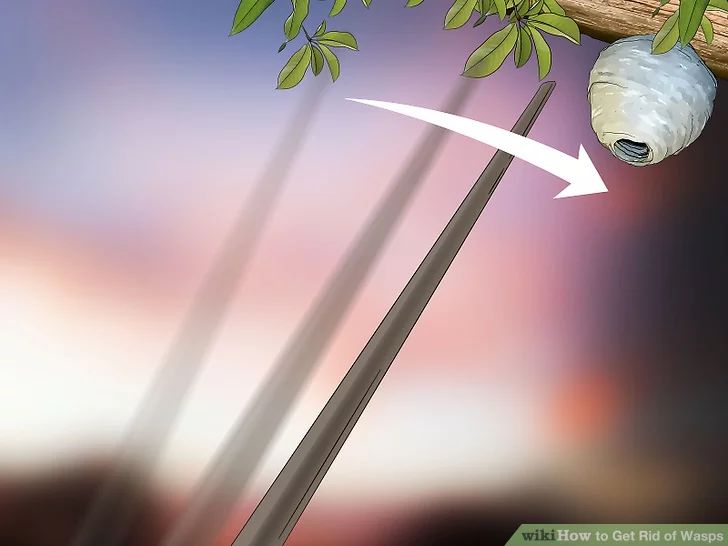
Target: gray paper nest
645	107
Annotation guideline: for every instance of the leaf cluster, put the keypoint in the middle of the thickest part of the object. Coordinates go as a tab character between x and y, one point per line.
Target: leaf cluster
317	50
526	23
682	26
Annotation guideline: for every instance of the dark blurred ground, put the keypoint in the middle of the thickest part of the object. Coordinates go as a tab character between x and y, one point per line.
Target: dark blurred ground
47	510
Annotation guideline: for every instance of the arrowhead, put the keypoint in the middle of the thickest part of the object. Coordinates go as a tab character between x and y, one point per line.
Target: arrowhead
585	180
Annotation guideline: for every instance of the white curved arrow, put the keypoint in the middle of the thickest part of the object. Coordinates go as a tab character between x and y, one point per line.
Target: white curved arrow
580	172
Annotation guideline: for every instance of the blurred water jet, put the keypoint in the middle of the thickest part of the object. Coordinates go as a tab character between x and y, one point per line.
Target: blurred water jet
115	507
223	484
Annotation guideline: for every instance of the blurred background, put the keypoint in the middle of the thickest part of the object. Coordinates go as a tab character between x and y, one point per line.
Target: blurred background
570	367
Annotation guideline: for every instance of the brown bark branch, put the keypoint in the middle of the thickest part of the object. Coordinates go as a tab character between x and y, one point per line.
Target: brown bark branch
609	20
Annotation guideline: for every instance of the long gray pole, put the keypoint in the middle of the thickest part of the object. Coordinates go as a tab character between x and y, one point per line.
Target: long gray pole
278	512
232	467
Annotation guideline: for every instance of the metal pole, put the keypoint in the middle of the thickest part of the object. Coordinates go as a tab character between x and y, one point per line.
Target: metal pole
278	512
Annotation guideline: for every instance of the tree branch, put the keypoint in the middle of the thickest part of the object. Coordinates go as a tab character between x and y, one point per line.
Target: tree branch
609	20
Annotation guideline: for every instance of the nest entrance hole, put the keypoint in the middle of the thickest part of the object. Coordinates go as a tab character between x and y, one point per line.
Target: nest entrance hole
632	151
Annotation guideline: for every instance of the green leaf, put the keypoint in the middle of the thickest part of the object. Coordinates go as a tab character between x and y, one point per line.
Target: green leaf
691	13
485	8
490	55
707	26
537	8
543	52
459	13
554	7
367	3
718	5
481	20
283	46
247	13
667	36
522	7
522	52
413	3
317	61
292	26
320	30
295	69
558	25
339	39
332	60
500	6
338	6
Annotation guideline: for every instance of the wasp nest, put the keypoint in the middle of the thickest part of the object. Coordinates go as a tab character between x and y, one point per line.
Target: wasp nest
645	107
